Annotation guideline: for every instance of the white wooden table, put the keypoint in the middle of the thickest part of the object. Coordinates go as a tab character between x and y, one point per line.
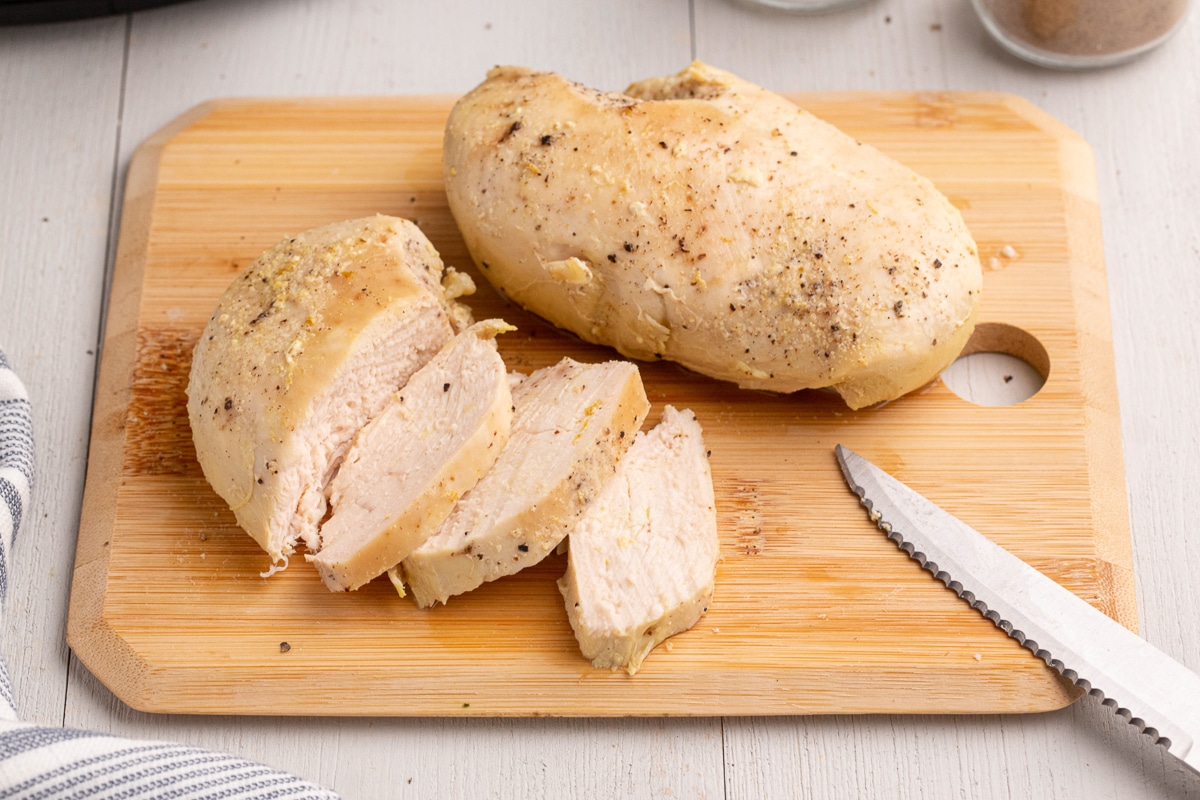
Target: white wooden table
75	101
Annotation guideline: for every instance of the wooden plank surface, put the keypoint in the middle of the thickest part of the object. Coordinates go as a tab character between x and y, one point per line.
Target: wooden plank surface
52	278
1137	118
814	612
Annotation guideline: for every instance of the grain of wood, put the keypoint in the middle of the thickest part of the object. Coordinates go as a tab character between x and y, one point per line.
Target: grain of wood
59	91
926	756
993	379
197	51
238	176
1132	117
452	758
1136	118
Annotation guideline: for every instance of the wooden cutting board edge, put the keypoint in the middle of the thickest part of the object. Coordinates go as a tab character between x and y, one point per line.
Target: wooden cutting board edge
125	673
91	639
1102	427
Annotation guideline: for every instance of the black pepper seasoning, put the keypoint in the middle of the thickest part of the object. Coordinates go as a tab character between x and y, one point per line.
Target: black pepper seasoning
1080	33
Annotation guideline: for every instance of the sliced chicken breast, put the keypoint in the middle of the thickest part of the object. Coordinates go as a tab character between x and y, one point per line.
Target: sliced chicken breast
642	559
572	424
307	345
410	465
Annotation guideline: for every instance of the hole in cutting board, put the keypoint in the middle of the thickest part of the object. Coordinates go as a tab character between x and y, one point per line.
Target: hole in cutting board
1001	365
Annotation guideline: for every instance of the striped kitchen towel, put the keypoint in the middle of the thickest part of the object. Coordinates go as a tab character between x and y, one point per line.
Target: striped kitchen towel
16	482
50	763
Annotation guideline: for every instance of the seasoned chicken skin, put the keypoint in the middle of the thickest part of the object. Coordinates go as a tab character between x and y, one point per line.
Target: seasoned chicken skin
703	219
305	346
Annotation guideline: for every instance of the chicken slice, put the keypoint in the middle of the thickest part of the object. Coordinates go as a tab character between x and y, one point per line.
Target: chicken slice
572	423
304	347
642	559
409	466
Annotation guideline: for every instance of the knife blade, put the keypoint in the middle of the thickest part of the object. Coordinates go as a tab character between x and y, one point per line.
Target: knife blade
1152	691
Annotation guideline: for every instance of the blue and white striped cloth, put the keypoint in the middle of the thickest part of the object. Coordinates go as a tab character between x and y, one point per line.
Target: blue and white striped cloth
46	763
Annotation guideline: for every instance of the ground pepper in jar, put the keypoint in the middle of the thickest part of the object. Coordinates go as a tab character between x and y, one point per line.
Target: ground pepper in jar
1080	32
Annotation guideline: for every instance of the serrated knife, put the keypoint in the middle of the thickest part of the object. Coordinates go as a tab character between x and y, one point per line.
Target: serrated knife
1150	689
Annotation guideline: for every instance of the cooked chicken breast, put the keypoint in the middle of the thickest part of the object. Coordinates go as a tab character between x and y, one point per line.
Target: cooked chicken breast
410	465
703	219
307	345
642	559
571	425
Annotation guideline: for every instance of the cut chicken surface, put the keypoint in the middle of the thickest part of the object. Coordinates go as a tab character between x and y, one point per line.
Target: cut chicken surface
642	559
571	425
306	346
410	465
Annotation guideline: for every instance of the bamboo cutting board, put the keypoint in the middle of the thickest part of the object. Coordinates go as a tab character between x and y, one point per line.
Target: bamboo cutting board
814	612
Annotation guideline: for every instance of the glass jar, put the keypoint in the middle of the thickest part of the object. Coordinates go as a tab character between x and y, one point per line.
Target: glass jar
1078	34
